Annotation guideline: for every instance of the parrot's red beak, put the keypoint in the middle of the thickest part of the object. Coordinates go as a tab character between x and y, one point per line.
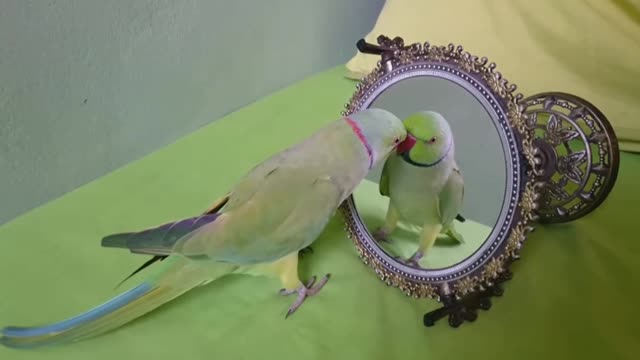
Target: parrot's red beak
406	145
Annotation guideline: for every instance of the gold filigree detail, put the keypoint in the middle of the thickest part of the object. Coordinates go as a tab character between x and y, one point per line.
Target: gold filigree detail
515	239
440	53
493	268
516	117
529	200
471	64
466	285
400	57
530	152
491	271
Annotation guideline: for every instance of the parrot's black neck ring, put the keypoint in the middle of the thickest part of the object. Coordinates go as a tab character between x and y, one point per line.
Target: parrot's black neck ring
407	158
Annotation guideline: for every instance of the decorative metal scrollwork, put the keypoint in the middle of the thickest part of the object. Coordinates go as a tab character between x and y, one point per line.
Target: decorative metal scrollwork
579	154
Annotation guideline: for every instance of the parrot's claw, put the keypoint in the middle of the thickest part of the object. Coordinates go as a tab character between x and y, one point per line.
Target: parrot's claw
304	291
382	235
286	292
416	256
412	261
408	262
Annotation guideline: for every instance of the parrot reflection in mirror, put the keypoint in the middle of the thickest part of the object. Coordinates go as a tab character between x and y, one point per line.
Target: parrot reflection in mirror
279	208
424	184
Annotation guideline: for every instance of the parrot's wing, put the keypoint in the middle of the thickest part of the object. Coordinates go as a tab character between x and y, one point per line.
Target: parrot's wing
246	187
219	204
384	179
158	240
289	204
166	229
451	196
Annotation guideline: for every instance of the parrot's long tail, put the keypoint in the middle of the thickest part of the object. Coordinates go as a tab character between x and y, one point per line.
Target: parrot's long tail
178	278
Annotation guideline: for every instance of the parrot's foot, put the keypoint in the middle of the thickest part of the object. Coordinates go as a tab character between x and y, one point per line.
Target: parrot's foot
382	235
414	260
286	292
304	291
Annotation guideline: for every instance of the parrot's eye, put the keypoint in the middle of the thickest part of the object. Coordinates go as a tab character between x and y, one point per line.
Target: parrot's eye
397	140
432	140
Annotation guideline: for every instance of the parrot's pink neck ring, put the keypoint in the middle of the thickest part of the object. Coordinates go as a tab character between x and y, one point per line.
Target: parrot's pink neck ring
356	129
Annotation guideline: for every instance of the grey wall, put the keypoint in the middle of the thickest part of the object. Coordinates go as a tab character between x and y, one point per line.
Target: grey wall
88	85
478	147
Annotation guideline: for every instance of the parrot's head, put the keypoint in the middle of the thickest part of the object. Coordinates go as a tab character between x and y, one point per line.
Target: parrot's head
379	131
429	139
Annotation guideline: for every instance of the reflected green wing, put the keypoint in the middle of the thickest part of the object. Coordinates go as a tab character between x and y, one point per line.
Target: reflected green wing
384	179
451	197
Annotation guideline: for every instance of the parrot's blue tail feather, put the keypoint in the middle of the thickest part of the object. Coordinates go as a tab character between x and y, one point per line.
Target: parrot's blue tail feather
27	336
19	337
178	277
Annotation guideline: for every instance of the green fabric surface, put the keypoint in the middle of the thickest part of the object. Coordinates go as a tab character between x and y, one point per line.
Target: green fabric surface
573	295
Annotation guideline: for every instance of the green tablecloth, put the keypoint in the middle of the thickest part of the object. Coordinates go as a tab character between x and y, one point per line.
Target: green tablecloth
573	294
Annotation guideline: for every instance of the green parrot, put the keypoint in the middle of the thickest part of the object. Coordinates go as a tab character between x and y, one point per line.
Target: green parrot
423	182
279	208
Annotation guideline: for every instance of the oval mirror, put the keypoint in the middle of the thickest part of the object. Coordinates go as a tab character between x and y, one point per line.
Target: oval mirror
458	165
444	215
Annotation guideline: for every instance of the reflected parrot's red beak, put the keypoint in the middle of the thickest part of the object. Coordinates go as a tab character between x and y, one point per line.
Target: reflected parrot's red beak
406	145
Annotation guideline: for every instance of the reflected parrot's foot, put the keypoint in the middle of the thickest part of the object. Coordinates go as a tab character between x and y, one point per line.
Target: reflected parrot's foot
412	261
455	236
382	235
304	291
305	251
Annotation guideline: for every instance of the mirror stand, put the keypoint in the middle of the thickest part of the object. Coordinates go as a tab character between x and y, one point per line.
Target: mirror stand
466	308
579	155
576	164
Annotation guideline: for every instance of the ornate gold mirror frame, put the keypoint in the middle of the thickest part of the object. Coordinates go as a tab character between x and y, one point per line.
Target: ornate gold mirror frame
561	158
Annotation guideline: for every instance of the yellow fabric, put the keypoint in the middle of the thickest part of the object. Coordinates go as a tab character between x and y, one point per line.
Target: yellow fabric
590	48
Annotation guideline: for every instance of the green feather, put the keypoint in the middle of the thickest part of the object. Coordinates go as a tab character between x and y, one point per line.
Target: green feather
384	179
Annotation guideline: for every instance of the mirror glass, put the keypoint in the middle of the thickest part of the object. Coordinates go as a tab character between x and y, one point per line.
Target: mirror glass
442	174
